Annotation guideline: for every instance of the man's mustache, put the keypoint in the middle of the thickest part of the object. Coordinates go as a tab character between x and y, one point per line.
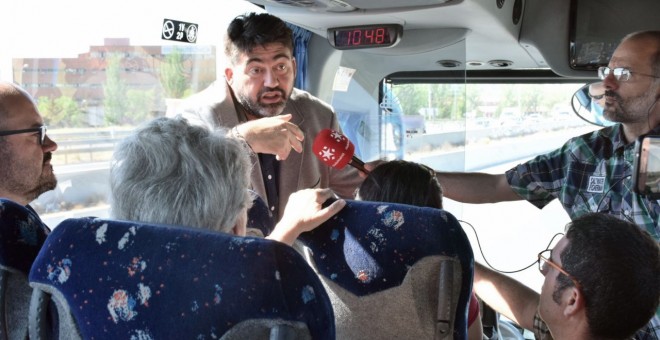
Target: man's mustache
271	89
610	93
47	156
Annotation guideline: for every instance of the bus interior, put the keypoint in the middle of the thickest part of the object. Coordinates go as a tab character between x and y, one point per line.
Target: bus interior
455	84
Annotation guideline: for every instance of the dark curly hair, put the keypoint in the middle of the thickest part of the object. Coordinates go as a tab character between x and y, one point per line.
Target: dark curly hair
250	30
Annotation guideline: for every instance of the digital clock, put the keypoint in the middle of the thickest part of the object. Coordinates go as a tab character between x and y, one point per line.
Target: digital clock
366	36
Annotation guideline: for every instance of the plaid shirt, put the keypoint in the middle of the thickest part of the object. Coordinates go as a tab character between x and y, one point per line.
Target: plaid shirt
648	332
590	173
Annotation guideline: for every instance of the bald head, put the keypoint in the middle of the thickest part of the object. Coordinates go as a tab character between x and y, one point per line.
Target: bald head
9	93
25	168
651	39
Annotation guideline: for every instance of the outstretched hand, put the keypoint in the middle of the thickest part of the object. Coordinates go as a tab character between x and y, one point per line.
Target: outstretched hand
304	212
273	135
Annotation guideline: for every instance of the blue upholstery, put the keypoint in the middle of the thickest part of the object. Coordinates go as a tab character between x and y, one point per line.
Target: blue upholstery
123	279
260	220
369	247
21	236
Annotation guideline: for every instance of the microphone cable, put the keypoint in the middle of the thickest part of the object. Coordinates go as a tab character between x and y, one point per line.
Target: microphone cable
481	251
607	192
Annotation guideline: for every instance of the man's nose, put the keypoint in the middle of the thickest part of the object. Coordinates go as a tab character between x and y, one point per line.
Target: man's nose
49	145
610	82
271	79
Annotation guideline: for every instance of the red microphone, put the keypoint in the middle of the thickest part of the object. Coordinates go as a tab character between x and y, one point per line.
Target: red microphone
335	150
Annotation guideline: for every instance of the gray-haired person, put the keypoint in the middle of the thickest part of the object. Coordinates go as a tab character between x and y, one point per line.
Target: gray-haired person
169	171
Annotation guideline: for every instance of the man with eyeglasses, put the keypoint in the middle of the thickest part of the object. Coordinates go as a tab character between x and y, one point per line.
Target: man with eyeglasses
25	149
592	172
601	282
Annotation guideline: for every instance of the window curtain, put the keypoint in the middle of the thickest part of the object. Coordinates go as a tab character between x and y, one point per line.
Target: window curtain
301	38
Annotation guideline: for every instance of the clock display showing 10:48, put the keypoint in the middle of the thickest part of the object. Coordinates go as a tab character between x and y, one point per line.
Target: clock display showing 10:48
364	36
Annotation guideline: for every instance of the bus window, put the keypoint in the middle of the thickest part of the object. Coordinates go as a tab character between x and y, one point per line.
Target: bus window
97	74
491	128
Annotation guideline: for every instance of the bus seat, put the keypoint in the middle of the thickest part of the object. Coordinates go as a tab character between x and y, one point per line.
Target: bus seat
260	221
115	279
21	236
394	271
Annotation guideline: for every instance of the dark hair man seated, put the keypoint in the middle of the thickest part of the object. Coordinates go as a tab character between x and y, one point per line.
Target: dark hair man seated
601	282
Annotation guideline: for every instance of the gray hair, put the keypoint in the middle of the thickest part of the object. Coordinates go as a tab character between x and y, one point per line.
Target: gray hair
171	172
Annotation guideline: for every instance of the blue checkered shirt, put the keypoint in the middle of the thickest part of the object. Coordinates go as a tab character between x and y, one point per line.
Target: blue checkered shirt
590	173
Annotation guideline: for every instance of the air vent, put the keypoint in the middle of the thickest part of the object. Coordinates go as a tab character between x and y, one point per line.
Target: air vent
296	3
499	3
326	5
448	63
500	63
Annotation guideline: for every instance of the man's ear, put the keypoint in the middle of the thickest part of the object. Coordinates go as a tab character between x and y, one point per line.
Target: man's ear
573	301
229	75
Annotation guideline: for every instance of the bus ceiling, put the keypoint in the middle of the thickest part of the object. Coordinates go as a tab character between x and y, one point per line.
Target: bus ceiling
571	37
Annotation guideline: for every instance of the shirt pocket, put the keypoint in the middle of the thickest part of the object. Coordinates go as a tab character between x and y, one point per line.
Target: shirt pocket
584	190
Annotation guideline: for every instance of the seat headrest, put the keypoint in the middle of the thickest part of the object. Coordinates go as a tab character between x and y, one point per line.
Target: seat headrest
369	246
125	278
22	234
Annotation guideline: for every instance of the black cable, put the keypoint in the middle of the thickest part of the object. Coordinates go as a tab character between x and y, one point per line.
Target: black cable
491	266
551	240
608	191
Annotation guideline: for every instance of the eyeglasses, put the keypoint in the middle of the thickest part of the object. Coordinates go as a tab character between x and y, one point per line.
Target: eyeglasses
544	261
42	132
620	73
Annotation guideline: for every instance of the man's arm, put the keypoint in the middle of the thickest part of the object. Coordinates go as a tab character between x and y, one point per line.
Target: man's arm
506	295
476	187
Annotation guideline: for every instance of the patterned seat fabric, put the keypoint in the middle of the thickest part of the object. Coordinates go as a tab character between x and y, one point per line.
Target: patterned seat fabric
120	279
370	249
22	234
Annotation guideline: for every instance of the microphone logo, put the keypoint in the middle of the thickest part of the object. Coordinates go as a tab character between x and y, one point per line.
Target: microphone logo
333	148
327	154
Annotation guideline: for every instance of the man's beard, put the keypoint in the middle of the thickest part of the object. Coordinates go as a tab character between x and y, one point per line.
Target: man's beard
47	180
260	110
630	110
14	172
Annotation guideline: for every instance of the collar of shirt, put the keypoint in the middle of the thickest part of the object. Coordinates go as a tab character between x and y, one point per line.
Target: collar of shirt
614	134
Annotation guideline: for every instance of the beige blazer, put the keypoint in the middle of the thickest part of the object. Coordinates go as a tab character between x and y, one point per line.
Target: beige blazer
214	107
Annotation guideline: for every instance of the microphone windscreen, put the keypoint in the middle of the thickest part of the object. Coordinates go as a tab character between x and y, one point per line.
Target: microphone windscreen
333	148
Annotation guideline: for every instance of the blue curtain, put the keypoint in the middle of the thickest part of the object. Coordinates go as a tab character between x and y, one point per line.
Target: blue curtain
301	38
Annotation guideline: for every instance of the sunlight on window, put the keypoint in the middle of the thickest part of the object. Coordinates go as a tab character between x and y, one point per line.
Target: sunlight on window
96	74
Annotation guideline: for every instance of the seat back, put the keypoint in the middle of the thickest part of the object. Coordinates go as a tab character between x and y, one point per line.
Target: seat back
119	279
21	236
394	271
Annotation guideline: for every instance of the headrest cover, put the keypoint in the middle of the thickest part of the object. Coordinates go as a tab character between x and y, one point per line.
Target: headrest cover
124	279
369	246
